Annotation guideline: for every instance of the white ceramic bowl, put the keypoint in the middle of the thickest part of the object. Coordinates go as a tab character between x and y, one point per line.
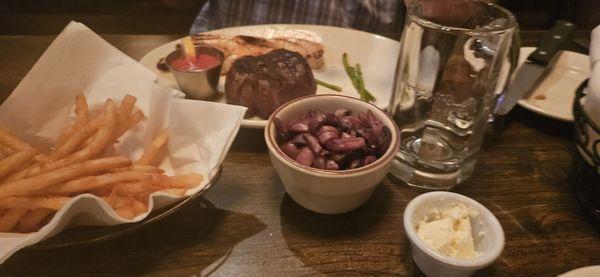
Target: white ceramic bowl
328	191
432	263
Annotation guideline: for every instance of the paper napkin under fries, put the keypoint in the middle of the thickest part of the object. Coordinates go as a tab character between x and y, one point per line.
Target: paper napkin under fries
79	61
591	101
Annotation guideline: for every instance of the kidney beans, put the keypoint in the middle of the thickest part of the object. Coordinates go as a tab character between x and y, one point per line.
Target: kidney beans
319	163
345	144
369	159
290	149
298	126
333	141
313	144
356	163
327	133
320	119
342	112
337	157
331	165
306	156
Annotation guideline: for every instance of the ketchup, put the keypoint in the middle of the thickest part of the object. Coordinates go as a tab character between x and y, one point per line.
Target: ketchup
202	62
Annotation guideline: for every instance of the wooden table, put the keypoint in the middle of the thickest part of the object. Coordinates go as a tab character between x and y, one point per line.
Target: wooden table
256	229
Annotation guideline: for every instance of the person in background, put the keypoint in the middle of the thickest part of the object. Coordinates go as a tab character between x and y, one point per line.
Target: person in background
375	16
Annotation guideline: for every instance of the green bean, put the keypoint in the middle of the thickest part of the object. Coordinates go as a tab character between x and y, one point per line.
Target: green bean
329	86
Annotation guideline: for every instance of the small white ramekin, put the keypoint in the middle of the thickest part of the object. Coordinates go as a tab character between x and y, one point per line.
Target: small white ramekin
328	191
487	234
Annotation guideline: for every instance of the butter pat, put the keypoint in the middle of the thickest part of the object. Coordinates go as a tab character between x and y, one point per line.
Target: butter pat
449	231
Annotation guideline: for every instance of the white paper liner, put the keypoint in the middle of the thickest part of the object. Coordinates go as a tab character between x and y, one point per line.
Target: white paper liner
200	133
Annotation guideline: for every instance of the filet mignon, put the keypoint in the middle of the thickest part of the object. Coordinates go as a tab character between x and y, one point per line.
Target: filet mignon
263	83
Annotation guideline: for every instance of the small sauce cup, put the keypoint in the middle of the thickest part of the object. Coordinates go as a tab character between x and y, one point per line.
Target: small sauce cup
488	236
199	84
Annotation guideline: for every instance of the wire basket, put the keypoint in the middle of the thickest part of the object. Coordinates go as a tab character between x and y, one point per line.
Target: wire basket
586	163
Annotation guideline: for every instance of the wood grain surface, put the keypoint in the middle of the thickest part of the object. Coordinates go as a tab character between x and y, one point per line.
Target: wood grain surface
255	229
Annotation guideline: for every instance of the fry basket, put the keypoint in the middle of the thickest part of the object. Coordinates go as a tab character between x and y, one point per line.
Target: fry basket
586	160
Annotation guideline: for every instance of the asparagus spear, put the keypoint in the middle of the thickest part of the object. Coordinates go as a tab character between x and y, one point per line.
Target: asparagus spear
355	75
350	71
361	82
329	86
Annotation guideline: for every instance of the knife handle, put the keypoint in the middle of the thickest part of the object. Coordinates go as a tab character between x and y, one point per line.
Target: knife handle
551	42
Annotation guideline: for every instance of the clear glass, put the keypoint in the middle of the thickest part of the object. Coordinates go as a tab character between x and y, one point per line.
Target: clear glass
447	80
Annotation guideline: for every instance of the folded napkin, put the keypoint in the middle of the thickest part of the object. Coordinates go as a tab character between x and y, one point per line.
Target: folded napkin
591	102
200	133
595	46
591	105
592	99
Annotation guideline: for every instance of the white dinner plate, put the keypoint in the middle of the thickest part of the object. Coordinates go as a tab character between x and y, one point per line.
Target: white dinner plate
554	96
377	56
588	271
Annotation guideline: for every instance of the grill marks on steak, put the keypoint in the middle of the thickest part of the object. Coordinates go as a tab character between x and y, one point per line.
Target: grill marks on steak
263	83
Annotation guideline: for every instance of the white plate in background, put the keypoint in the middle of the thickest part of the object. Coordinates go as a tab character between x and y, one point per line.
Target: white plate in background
377	56
554	96
588	271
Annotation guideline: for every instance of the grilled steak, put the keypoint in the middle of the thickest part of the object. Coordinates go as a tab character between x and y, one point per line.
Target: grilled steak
263	83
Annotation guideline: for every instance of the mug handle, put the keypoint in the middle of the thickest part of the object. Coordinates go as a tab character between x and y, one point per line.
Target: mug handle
513	60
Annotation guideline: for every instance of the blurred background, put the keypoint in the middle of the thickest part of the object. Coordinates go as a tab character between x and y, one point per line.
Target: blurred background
49	17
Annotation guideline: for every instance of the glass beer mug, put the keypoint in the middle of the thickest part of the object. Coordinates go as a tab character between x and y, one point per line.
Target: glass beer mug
455	59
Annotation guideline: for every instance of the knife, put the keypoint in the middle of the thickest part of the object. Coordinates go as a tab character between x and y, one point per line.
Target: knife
528	75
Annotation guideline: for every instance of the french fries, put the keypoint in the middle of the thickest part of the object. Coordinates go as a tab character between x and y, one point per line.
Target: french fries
103	127
41	181
127	106
10	140
82	110
10	218
16	162
128	123
52	203
93	182
6	151
153	149
34	185
33	220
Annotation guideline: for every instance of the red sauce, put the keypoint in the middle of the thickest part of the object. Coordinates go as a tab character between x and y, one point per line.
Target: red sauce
202	62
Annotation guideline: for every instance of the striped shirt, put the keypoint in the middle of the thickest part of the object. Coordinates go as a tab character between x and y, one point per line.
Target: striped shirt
376	16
